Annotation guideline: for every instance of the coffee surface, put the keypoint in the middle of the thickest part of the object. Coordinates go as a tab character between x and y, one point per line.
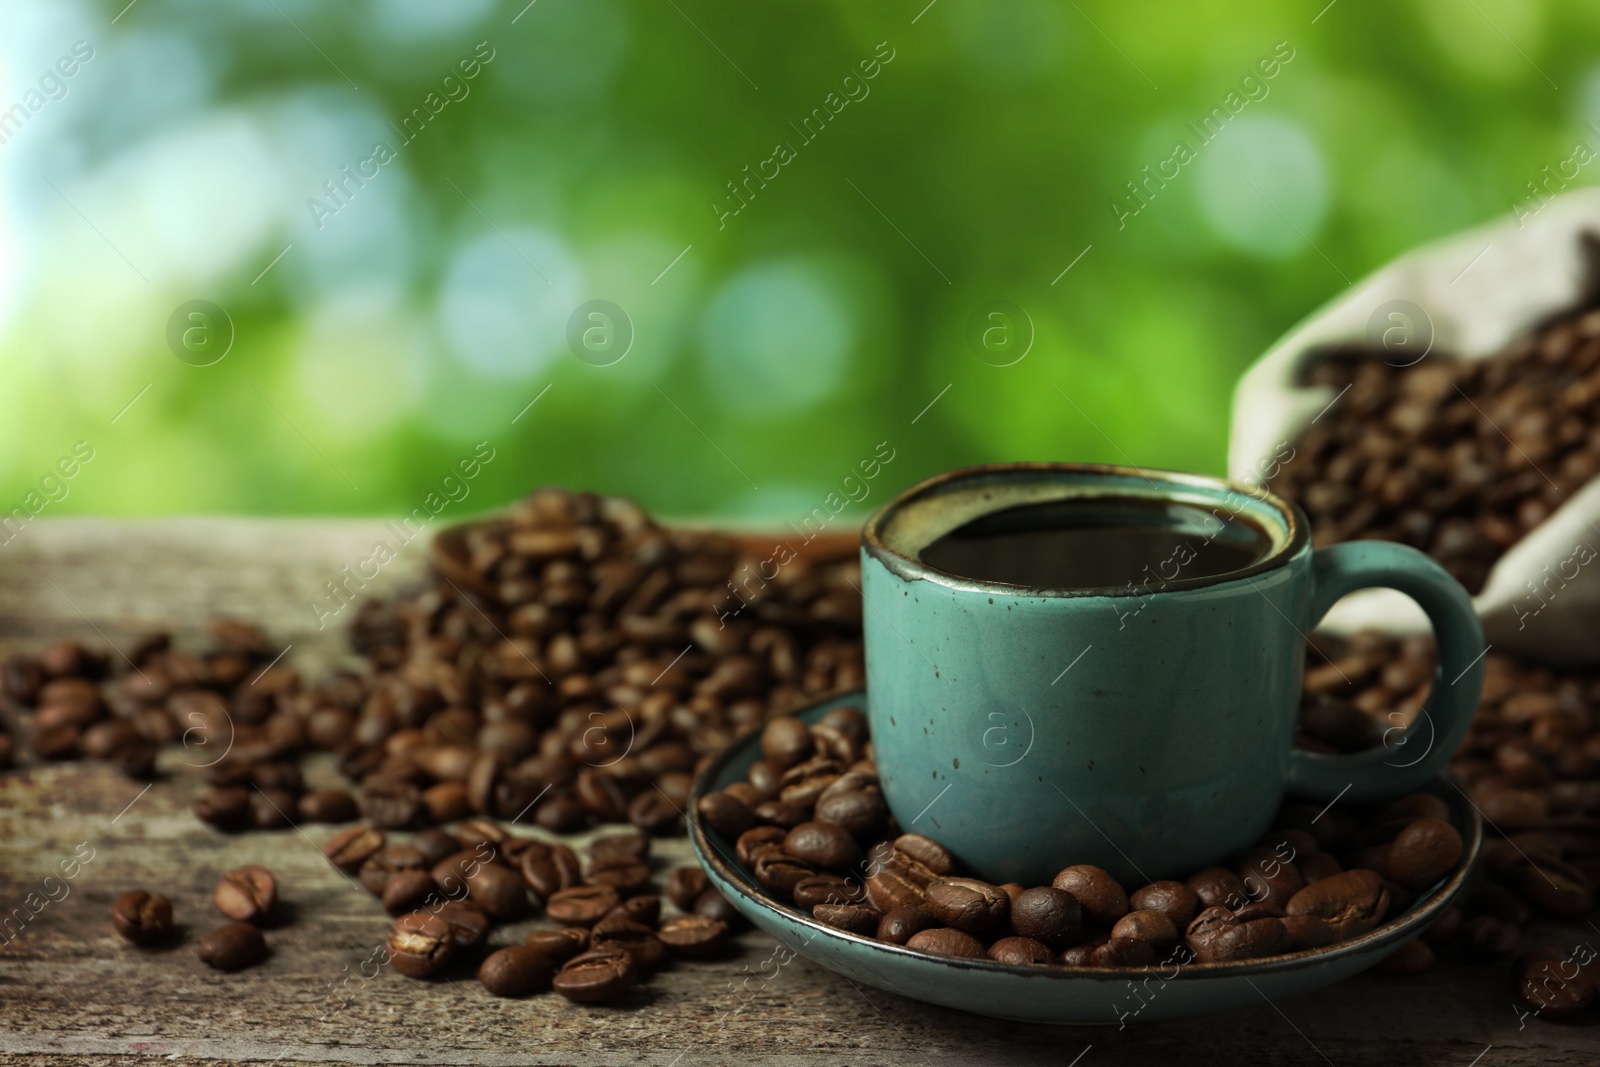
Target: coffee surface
1098	542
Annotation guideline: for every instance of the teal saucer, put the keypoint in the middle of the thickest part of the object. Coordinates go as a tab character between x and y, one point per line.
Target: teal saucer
1055	994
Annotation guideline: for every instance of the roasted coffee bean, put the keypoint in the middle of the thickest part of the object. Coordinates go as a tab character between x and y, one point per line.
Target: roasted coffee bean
1047	914
385	863
824	845
1258	909
232	947
351	847
1486	938
1175	899
637	939
469	927
391	803
434	844
1422	853
270	808
1123	952
1306	931
548	869
1413	957
623	874
408	891
226	809
581	905
944	941
726	814
781	813
749	841
862	812
246	894
655	812
713	905
1103	900
420	944
142	917
779	872
596	976
898	926
498	891
890	889
1020	952
452	872
1553	985
1555	887
786	741
516	971
327	805
1217	887
1146	924
21	676
1270	876
1317	866
927	852
1243	941
967	904
827	889
856	918
694	936
685	885
1082	954
560	943
446	802
1352	903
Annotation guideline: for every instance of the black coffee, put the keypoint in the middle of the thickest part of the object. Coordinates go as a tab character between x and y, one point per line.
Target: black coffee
1097	543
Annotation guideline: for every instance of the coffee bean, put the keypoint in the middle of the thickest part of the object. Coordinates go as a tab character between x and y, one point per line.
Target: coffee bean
1556	887
1306	931
1413	957
1317	866
967	904
581	905
637	939
596	976
1422	853
655	812
1103	900
142	917
1146	924
246	894
469	927
1258	909
385	863
1269	875
749	841
1552	985
889	889
1176	900
726	814
1047	914
560	943
862	812
391	803
548	869
694	936
1020	952
642	909
498	892
713	905
1217	887
1122	952
944	941
516	971
856	918
227	809
898	926
823	844
827	889
327	805
927	852
1485	938
408	891
1082	954
1352	903
785	741
351	847
21	676
685	885
232	947
420	944
434	844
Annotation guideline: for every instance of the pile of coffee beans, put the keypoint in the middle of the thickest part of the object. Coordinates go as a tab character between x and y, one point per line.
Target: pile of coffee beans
1457	458
1531	765
246	895
449	891
811	823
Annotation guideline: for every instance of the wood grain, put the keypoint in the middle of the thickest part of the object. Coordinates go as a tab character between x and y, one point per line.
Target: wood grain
71	991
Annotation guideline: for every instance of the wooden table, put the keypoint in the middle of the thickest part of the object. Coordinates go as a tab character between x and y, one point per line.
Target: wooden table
71	991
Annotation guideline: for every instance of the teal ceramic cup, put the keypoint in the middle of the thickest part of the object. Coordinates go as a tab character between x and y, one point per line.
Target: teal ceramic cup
1147	729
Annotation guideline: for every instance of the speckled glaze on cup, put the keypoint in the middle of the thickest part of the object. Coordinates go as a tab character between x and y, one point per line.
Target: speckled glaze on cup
1146	729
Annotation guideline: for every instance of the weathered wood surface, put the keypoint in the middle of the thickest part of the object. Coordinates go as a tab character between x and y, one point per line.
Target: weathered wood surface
71	991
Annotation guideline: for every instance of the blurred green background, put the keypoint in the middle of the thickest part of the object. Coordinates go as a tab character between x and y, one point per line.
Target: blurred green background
378	337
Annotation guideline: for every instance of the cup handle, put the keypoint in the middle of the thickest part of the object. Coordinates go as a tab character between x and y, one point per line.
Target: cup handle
1397	766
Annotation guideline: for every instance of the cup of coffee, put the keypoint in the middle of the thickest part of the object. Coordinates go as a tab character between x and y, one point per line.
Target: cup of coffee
1075	663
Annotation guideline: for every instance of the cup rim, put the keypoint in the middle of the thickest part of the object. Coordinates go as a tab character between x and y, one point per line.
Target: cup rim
909	567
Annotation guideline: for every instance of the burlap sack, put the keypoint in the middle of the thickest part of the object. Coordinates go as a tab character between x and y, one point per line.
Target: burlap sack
1466	296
